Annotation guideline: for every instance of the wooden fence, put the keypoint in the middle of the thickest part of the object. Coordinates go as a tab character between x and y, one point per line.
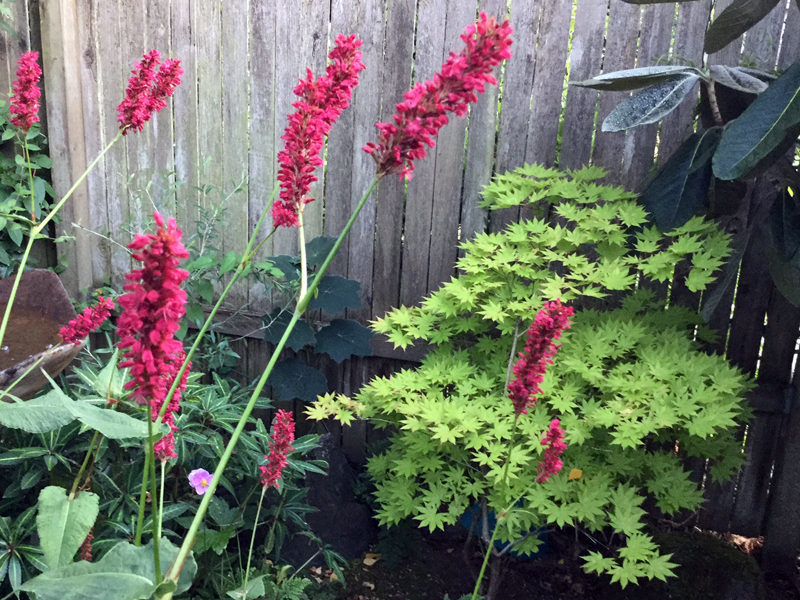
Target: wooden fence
241	61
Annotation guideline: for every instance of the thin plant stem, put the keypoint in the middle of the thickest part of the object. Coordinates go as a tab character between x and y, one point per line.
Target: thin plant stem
183	553
485	562
7	391
253	538
153	498
143	495
161	502
712	101
303	260
36	231
83	466
246	257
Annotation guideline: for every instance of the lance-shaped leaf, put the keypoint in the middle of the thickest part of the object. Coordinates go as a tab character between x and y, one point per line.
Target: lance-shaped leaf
344	338
125	573
761	129
63	523
634	79
732	22
39	415
650	104
680	188
292	379
783	251
745	80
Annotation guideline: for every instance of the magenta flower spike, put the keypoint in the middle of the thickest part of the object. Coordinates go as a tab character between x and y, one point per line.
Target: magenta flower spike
89	320
280	445
25	100
554	447
147	91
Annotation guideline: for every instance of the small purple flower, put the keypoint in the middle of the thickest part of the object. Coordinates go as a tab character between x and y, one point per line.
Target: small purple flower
200	479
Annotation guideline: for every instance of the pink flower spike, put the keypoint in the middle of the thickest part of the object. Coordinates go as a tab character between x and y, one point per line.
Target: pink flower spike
280	445
540	348
200	479
147	91
25	100
89	320
423	113
554	447
320	104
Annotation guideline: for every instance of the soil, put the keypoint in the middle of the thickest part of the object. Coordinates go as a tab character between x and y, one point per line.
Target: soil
436	565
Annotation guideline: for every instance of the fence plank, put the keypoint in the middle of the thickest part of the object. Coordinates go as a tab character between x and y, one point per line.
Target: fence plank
790	49
449	164
761	42
516	98
655	34
731	53
396	71
586	59
430	54
623	30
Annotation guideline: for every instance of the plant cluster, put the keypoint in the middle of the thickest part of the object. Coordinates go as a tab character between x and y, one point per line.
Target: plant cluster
634	395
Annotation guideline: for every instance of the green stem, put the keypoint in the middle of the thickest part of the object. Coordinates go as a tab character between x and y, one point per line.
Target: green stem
183	553
253	538
153	497
38	230
7	391
246	258
83	466
143	497
303	262
485	561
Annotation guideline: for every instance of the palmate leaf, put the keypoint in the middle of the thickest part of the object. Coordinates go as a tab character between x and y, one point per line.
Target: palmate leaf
292	379
650	104
634	79
275	324
335	294
767	127
344	338
732	22
680	188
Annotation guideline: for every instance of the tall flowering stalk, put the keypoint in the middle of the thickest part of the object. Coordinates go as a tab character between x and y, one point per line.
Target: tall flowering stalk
424	111
92	317
321	102
25	99
553	442
147	91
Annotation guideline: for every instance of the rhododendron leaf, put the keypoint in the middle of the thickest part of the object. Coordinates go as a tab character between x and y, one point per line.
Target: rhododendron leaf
63	523
276	323
126	572
294	380
651	104
39	415
734	20
634	79
318	249
344	338
335	294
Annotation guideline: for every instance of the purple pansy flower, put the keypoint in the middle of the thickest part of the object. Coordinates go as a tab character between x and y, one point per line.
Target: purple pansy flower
200	479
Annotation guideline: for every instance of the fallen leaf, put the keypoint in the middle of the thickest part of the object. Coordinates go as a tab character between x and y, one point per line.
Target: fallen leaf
575	474
369	585
371	559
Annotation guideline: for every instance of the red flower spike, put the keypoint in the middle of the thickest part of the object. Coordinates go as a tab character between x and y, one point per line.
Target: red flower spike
86	547
165	447
280	445
147	91
423	113
25	100
538	354
554	447
320	104
152	310
89	320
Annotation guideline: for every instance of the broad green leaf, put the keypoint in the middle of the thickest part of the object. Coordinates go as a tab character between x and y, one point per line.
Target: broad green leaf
110	380
275	324
761	129
229	262
680	188
205	289
39	415
738	78
124	573
732	22
292	379
783	250
317	250
255	589
288	265
344	338
63	523
634	79
650	104
335	294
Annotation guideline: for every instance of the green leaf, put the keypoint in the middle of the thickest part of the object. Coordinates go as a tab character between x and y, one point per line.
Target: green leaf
732	22
39	415
761	129
205	289
344	338
125	573
288	265
680	188
651	104
317	250
63	523
255	589
292	379
276	323
741	79
18	455
109	381
634	79
31	478
335	294
229	262
783	250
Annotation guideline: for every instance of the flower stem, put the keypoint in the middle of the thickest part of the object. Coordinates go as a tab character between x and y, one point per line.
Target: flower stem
253	538
161	502
485	561
85	463
183	553
246	258
143	495
303	259
38	230
153	498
